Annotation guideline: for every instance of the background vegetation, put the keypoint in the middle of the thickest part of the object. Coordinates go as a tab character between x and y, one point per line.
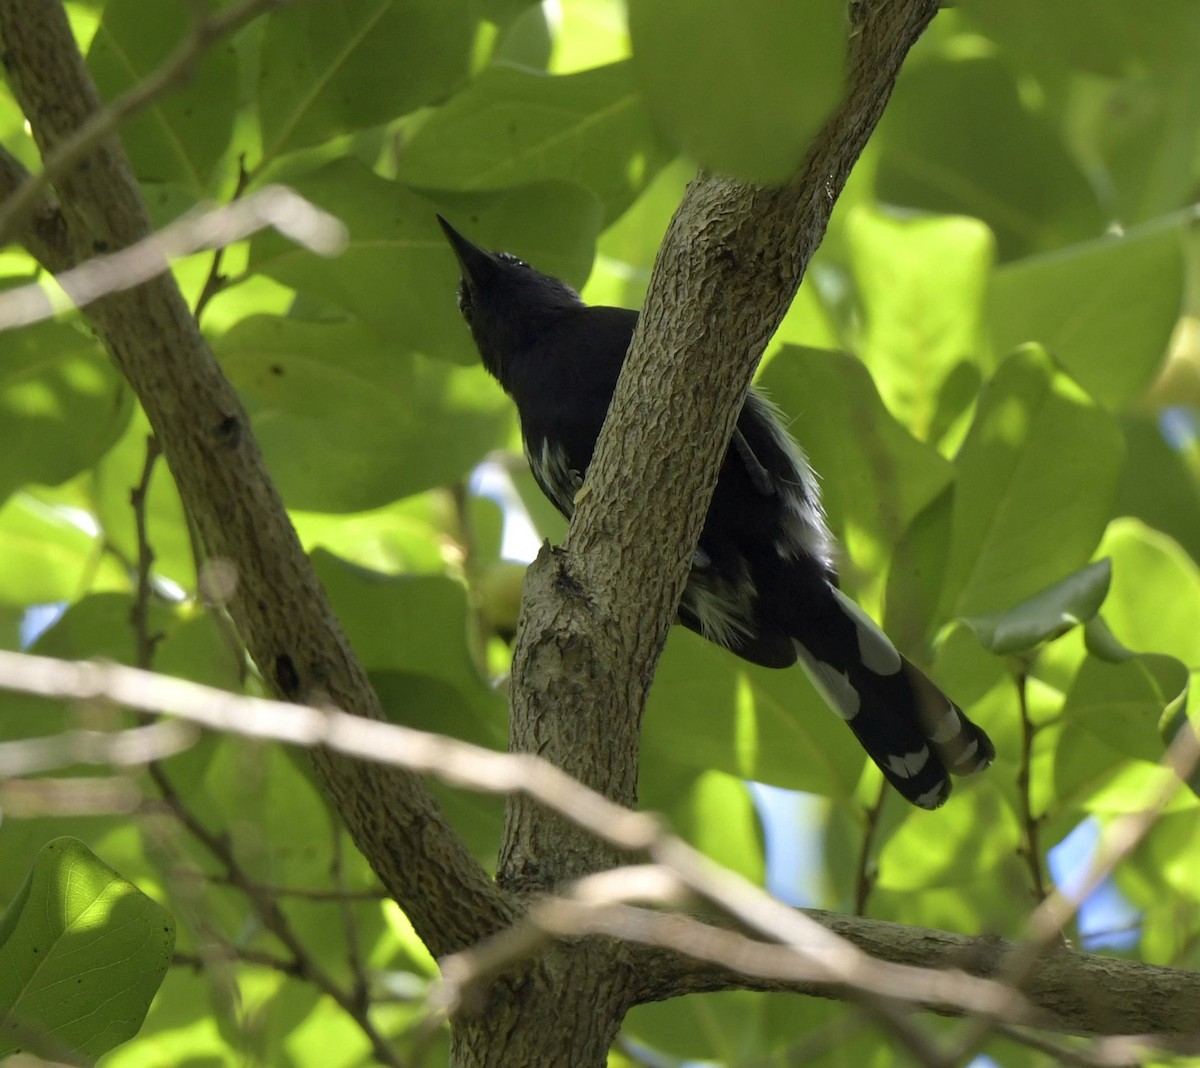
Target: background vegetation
993	362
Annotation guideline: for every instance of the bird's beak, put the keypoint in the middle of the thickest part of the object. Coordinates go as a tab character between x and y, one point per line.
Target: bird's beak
475	262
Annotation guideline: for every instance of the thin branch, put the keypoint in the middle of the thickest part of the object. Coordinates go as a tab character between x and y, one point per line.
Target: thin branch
272	206
118	749
216	281
1031	848
864	880
296	642
139	612
267	909
300	893
75	796
242	954
1118	840
805	943
205	33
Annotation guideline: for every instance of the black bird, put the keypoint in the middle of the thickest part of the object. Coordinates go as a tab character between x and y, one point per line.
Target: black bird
763	582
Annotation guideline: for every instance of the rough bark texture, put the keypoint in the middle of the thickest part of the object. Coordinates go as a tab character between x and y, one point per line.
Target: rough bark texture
731	263
279	606
1076	993
596	612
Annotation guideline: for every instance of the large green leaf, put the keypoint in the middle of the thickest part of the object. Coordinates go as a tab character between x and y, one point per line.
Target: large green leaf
411	633
921	282
180	137
398	275
1154	605
84	951
875	476
513	126
328	69
62	404
1105	309
1158	485
1105	37
709	710
349	422
1113	715
1037	476
717	815
957	138
780	72
1045	615
45	556
109	485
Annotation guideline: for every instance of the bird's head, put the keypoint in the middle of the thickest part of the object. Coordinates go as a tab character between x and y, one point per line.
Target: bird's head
504	301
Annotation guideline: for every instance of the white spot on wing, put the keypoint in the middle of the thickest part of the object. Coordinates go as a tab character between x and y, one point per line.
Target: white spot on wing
831	684
932	798
909	764
968	754
947	728
875	649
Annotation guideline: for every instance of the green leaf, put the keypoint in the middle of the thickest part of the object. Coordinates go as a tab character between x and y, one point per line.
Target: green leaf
781	70
709	710
62	404
1115	713
1103	37
84	952
717	815
109	485
921	282
1105	309
430	676
1037	475
945	848
406	537
957	138
329	69
1045	615
1122	704
1154	604
349	423
46	558
875	480
398	275
1157	485
512	126
182	135
917	574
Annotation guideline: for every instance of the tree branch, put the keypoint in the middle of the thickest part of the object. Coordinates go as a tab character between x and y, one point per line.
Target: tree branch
812	952
595	614
279	606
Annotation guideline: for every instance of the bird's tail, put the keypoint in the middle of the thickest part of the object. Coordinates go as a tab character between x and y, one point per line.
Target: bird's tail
909	728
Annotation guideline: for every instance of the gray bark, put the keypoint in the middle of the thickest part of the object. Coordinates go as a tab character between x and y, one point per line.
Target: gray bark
595	613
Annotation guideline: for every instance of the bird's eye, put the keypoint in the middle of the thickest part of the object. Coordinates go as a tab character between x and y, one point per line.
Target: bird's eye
464	301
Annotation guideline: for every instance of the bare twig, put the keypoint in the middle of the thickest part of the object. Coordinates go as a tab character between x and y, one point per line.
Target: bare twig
242	954
206	32
864	881
1051	917
120	749
1031	848
216	281
272	917
302	893
139	612
831	958
74	796
272	206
